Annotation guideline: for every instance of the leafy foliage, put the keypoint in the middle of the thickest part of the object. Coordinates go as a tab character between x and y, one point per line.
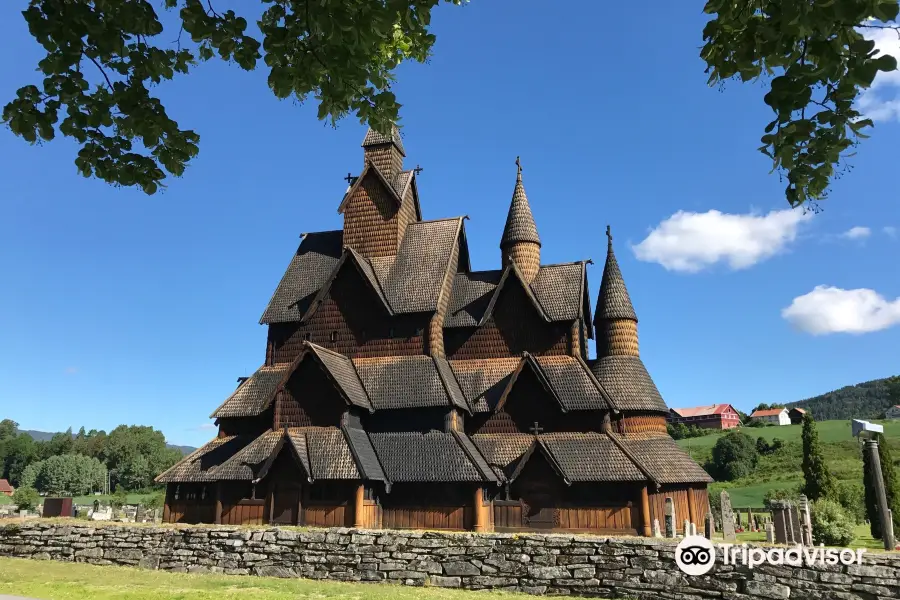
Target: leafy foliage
733	456
26	498
818	62
866	400
765	448
817	480
851	496
680	431
830	524
68	474
137	454
104	56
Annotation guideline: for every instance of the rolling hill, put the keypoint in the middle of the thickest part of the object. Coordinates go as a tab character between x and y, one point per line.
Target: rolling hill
867	400
46	436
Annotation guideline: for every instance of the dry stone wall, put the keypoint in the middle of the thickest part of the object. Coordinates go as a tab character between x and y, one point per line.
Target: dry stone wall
538	564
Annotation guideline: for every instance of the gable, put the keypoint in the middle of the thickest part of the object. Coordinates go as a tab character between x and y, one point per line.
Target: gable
309	399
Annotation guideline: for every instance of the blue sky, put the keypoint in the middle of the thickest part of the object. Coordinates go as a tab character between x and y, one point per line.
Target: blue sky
122	308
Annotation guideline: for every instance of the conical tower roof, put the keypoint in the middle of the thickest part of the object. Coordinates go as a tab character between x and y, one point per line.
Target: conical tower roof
613	301
520	225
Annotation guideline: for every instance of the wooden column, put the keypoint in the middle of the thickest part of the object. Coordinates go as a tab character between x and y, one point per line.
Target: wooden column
692	511
359	516
645	511
217	490
479	509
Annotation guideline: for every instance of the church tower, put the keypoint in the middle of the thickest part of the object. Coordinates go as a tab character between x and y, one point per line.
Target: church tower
615	319
520	243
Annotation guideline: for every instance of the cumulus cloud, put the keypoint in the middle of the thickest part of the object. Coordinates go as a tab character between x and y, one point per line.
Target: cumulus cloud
857	233
829	309
689	242
881	102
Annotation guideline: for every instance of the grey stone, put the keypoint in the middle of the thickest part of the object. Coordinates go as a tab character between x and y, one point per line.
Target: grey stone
461	569
447	582
727	518
765	589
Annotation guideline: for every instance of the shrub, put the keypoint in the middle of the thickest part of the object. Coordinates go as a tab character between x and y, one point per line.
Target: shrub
26	498
830	523
734	456
851	496
119	497
155	501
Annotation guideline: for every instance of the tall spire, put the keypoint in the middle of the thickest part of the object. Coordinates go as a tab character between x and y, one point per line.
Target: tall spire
520	242
613	301
520	225
384	151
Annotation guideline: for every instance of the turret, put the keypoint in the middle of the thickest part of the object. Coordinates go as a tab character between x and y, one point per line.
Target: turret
384	151
520	242
615	319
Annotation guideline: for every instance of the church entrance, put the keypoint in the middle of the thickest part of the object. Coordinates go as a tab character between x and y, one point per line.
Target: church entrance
285	503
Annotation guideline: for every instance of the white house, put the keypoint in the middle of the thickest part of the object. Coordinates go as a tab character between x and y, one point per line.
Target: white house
776	416
893	412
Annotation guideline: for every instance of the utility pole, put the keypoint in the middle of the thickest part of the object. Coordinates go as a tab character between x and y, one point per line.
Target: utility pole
887	525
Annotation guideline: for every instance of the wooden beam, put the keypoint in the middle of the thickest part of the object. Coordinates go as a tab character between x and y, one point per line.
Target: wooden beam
479	509
217	490
692	511
359	513
645	511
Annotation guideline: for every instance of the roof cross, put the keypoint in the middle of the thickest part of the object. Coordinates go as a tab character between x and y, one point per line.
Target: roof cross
609	233
536	428
418	169
518	164
348	178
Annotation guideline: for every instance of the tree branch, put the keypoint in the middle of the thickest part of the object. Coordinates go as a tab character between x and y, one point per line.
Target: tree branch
96	64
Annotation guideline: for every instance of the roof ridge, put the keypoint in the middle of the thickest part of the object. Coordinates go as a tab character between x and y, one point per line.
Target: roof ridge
424	222
627	452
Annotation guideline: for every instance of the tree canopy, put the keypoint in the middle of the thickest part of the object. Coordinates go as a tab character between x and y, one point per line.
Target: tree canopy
104	56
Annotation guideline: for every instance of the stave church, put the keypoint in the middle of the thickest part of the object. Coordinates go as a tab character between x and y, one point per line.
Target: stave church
402	389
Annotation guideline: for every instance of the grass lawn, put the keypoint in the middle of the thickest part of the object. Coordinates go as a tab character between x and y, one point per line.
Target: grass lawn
4	499
76	581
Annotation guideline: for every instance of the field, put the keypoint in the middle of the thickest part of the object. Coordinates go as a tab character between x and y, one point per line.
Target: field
77	581
783	469
85	500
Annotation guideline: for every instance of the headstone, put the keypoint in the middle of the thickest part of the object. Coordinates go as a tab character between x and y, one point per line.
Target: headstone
727	518
709	526
104	513
670	517
657	533
750	526
140	515
805	522
784	517
686	529
770	533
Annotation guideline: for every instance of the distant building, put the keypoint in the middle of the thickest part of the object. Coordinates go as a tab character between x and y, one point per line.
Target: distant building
893	412
713	416
5	488
796	415
776	416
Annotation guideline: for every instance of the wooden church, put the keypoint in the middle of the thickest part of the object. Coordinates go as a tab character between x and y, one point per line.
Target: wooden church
402	389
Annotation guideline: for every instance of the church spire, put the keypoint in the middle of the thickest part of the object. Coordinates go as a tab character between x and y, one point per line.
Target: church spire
520	242
615	319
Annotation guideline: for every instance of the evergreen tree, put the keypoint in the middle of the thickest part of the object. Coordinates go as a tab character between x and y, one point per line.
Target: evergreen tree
818	482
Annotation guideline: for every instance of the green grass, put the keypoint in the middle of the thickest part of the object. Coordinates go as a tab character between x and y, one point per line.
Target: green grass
782	470
76	581
4	499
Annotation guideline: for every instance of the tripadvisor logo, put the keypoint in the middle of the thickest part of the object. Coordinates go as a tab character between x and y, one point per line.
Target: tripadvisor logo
695	555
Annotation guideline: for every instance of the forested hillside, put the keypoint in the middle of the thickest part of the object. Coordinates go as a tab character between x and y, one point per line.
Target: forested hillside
866	400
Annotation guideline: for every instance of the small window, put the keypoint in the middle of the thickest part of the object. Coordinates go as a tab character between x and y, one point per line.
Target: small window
333	336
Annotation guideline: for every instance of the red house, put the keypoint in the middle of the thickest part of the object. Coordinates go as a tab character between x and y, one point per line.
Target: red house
713	416
5	488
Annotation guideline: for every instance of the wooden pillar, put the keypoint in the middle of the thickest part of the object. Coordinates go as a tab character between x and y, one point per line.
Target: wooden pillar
217	490
692	511
479	509
359	516
167	510
645	511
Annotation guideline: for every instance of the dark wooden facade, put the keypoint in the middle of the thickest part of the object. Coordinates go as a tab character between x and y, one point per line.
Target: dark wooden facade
401	389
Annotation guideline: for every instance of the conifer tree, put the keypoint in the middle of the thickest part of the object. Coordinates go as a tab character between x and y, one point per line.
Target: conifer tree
818	482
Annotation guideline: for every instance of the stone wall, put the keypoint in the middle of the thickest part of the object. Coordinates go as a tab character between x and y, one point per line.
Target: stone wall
538	564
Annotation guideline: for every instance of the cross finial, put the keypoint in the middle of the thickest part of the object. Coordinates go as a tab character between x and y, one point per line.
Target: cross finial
536	428
609	234
518	168
418	169
348	178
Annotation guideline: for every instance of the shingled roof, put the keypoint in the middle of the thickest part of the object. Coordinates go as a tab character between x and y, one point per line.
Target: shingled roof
663	459
590	457
373	138
343	373
484	380
629	385
613	301
435	456
558	290
520	225
199	465
254	395
244	465
408	382
574	384
307	272
502	451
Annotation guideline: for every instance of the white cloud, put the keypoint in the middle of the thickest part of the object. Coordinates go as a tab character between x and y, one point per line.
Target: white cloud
881	102
890	230
206	426
857	233
829	309
690	242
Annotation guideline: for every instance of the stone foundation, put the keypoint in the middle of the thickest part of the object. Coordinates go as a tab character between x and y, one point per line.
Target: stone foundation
538	564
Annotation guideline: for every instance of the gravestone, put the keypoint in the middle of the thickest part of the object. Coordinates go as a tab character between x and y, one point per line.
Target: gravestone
805	522
710	526
787	522
770	533
656	530
103	513
727	518
687	528
670	517
750	526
